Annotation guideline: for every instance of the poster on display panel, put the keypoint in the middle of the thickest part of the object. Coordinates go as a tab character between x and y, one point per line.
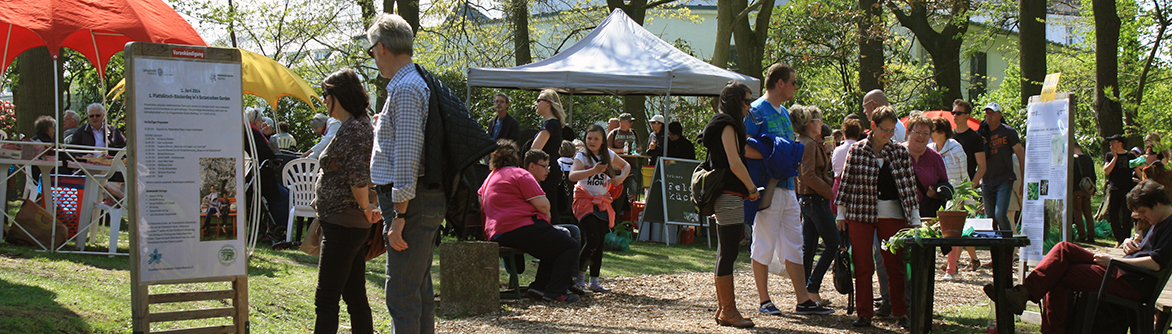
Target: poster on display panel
1045	199
187	149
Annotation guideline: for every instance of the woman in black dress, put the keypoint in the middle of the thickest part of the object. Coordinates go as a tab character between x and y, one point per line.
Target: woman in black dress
549	139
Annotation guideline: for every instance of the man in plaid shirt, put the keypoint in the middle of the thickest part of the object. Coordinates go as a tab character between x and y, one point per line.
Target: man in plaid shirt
413	215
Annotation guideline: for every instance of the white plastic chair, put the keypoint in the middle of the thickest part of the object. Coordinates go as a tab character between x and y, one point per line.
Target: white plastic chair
115	212
300	176
286	142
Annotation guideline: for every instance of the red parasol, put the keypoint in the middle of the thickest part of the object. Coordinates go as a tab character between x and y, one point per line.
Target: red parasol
972	122
95	28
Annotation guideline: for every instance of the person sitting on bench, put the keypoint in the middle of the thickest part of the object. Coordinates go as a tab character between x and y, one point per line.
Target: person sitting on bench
1069	267
516	213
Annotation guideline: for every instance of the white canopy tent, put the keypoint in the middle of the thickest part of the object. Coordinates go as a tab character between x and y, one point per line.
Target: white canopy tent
619	57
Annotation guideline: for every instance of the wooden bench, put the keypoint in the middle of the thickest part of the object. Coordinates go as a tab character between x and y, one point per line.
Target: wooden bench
514	289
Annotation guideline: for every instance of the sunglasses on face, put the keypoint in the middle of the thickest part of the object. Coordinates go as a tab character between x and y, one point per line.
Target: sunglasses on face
95	116
370	51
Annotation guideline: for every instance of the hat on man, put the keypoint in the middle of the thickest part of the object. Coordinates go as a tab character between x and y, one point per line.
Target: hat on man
626	117
551	96
993	106
657	119
1115	137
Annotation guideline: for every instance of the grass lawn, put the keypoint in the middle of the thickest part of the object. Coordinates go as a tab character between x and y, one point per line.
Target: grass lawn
71	293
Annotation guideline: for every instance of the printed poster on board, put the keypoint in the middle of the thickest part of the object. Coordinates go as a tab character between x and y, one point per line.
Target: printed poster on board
189	137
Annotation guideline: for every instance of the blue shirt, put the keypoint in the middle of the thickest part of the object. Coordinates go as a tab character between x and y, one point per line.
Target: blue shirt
764	118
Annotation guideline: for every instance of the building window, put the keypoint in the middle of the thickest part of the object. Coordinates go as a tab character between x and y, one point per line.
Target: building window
978	75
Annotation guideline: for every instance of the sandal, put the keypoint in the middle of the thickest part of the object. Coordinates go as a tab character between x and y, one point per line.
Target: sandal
974	264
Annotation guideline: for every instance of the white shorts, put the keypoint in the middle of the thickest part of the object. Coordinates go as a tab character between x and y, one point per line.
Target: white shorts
777	230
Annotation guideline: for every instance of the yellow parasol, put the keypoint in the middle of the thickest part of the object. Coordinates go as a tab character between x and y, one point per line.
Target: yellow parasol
262	77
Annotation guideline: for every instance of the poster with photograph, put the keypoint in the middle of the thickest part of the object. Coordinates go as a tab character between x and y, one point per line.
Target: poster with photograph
188	146
1044	208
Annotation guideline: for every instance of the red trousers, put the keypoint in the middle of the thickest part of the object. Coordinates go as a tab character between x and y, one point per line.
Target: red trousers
862	236
1068	268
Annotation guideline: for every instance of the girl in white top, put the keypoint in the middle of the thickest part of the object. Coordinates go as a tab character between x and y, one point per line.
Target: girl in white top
852	130
592	171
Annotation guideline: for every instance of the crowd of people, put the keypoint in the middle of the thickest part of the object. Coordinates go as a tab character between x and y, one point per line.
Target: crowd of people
856	184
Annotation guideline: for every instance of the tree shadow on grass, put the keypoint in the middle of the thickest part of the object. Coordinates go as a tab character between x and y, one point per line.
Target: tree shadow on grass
96	261
31	309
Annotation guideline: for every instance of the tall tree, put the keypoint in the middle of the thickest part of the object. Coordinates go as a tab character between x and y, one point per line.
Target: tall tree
1161	14
1106	102
519	17
942	45
408	9
870	39
750	38
1032	40
33	95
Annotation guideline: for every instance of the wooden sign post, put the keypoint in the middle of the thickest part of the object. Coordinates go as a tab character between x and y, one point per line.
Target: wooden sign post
186	156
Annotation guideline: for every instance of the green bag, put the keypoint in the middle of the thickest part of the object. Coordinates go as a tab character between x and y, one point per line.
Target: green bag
1102	229
617	242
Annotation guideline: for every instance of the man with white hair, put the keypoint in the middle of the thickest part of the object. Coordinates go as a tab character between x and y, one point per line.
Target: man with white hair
413	214
69	122
96	132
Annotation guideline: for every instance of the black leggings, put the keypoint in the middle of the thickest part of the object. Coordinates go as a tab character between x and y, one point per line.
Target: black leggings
594	230
728	242
342	273
1118	215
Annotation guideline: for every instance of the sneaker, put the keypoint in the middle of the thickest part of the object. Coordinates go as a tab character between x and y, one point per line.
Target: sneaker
810	307
577	290
769	308
884	310
947	277
534	295
562	298
597	287
861	322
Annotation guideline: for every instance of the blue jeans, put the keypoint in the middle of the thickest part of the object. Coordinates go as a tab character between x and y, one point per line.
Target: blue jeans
997	198
817	222
410	296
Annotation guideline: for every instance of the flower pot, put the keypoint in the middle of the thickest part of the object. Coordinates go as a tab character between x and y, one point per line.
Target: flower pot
952	223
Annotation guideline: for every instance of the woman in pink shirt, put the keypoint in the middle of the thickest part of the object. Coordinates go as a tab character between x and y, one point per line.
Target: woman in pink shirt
516	213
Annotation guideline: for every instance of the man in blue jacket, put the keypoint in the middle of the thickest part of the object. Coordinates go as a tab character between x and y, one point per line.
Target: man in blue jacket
777	231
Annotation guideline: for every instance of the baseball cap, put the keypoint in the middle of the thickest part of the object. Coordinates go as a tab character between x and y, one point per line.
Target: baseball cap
626	117
1116	137
657	119
993	106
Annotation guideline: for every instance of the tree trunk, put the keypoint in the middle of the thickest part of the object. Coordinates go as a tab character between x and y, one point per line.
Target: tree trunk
943	46
368	12
750	39
871	59
408	9
1032	41
1107	108
33	95
520	19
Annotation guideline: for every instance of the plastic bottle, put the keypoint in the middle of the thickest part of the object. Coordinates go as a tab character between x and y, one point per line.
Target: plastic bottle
627	148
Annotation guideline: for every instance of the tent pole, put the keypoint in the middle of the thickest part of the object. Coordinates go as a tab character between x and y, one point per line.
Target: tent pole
45	191
570	110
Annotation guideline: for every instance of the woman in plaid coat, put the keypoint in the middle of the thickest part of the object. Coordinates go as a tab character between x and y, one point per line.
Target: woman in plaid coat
877	195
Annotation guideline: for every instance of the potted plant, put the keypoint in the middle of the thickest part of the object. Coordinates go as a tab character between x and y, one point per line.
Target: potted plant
960	207
948	223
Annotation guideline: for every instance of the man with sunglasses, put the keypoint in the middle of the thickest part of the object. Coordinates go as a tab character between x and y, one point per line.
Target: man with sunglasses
969	139
777	229
95	132
413	214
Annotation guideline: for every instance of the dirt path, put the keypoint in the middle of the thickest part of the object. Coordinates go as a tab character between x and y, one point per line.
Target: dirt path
685	303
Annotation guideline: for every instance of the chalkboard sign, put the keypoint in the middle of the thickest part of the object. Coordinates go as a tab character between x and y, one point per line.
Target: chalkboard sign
677	174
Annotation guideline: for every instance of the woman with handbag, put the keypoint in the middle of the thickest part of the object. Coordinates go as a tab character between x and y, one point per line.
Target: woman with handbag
725	138
877	195
814	193
344	207
592	197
